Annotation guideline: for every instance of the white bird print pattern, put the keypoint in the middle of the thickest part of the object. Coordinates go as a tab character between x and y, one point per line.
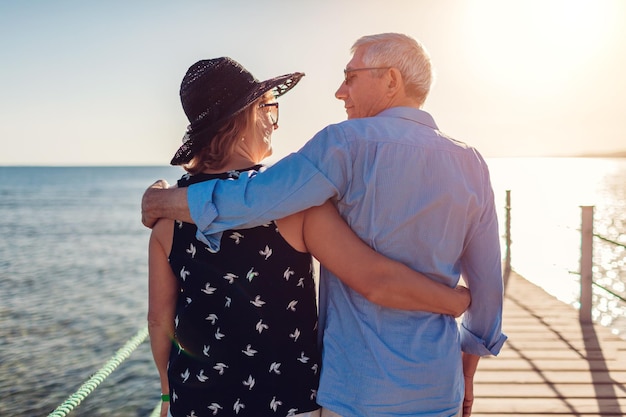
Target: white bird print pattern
215	407
184	274
288	273
249	382
191	250
185	375
236	236
248	351
275	403
301	282
292	305
260	326
220	367
257	301
274	368
295	335
238	406
251	274
212	318
303	358
230	277
208	289
201	376
205	350
267	252
219	335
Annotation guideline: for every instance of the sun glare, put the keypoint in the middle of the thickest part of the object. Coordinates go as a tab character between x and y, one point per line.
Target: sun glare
537	43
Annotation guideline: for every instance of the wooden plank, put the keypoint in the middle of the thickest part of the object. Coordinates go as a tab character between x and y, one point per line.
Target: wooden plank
551	364
515	390
577	345
548	406
578	364
554	355
475	414
553	377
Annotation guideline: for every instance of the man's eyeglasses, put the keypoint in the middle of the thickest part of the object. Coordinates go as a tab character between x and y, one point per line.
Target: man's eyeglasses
272	109
348	71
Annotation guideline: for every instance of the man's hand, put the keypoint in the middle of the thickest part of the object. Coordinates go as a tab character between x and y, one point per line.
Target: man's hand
468	400
147	219
470	363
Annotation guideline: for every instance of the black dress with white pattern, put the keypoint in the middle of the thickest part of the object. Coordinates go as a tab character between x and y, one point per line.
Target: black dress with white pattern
245	326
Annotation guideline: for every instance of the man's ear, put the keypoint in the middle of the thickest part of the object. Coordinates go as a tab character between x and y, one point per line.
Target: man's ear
395	81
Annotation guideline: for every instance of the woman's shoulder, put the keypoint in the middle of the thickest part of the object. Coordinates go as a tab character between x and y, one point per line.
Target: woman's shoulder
189	179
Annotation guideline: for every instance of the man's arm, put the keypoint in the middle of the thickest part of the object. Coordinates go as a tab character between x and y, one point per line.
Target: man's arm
481	327
159	201
291	185
319	171
381	280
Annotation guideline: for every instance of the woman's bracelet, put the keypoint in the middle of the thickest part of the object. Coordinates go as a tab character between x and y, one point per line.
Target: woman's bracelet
165	397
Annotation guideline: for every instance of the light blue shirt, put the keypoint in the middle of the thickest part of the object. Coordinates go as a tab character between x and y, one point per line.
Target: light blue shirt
414	195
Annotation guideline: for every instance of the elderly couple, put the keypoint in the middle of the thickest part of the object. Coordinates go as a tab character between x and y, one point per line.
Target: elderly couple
233	315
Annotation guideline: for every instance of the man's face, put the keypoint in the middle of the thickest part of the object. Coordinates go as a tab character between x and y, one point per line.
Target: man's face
363	93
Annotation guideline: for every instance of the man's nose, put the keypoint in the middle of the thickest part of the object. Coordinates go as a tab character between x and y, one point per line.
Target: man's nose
341	92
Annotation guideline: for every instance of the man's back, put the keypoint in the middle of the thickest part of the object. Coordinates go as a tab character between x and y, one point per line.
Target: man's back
423	199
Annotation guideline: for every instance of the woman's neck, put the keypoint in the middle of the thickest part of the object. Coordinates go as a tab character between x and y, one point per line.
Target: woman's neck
235	163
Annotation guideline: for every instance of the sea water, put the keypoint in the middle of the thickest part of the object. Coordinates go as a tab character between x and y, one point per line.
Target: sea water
73	268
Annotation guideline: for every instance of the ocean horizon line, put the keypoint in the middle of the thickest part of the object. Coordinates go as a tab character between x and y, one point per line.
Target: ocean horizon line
604	155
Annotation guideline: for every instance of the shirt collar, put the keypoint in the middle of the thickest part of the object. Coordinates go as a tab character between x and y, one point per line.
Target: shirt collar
410	113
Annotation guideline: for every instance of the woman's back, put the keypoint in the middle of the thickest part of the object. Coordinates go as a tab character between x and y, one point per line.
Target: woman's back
246	323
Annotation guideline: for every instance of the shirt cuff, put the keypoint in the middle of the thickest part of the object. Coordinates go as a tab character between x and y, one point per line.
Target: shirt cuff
203	212
470	343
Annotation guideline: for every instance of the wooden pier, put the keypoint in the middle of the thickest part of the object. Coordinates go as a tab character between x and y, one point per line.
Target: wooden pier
551	364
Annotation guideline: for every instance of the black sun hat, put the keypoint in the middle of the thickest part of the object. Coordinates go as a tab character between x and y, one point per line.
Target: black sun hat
213	91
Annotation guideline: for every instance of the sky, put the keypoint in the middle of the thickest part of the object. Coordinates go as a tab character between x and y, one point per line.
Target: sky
97	82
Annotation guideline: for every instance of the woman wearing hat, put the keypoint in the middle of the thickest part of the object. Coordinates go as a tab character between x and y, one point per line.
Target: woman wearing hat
235	332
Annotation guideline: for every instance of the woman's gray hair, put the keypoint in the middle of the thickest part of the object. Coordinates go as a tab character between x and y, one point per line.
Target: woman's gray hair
401	52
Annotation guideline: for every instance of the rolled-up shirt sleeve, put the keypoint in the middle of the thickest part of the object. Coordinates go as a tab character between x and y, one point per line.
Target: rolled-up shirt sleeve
481	327
294	183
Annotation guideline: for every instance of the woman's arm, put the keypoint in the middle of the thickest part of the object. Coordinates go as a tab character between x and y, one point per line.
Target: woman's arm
322	232
162	291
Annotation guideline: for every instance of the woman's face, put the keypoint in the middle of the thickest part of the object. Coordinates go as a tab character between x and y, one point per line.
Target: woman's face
261	139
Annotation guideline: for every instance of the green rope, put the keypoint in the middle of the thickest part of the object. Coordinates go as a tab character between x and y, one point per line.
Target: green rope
609	240
122	354
157	410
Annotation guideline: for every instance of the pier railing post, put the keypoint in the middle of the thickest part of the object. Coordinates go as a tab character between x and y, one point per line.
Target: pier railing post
507	236
586	264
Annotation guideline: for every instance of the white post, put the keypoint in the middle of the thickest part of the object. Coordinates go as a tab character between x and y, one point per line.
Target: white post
586	264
